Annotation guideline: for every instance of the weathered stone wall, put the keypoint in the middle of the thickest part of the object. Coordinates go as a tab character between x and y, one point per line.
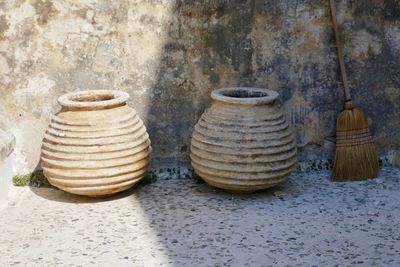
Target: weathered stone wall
169	55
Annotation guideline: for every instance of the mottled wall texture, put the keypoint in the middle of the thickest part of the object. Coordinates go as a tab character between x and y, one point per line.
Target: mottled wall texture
169	55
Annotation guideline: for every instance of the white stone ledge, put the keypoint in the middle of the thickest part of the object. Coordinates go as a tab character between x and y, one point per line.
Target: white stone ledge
7	144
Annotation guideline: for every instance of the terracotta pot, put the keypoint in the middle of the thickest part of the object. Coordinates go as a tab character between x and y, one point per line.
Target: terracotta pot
96	145
243	142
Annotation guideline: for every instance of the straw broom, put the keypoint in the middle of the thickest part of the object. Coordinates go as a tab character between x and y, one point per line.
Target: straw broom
355	157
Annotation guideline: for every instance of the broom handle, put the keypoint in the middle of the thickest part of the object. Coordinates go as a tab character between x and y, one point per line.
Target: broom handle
339	51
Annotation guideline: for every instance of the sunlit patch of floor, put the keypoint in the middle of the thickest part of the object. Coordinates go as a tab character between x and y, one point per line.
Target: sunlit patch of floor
45	227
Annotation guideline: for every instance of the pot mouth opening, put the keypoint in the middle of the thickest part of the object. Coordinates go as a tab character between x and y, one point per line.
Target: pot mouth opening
245	95
241	93
93	99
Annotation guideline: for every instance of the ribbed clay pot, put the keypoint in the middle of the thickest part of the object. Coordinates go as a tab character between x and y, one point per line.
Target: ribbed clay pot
243	142
96	145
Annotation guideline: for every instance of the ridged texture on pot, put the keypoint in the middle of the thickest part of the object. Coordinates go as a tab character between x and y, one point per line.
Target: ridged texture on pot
95	152
243	147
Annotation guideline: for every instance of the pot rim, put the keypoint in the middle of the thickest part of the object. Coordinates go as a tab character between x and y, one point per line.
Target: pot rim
267	96
93	99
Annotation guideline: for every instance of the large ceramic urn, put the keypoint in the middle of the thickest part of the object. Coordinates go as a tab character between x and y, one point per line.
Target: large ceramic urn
96	145
243	142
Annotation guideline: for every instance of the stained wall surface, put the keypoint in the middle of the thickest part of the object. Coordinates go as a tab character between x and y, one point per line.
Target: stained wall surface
170	54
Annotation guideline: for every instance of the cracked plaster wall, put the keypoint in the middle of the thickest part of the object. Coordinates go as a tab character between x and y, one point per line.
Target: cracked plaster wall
169	55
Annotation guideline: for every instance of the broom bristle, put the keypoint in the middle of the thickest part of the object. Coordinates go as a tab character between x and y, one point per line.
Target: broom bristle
355	157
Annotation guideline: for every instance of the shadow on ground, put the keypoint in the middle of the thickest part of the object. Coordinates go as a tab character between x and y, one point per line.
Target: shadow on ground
54	194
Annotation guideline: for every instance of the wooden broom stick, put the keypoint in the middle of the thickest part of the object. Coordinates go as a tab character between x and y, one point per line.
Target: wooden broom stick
340	51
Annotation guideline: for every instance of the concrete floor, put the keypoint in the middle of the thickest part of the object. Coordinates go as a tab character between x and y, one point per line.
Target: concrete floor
309	221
